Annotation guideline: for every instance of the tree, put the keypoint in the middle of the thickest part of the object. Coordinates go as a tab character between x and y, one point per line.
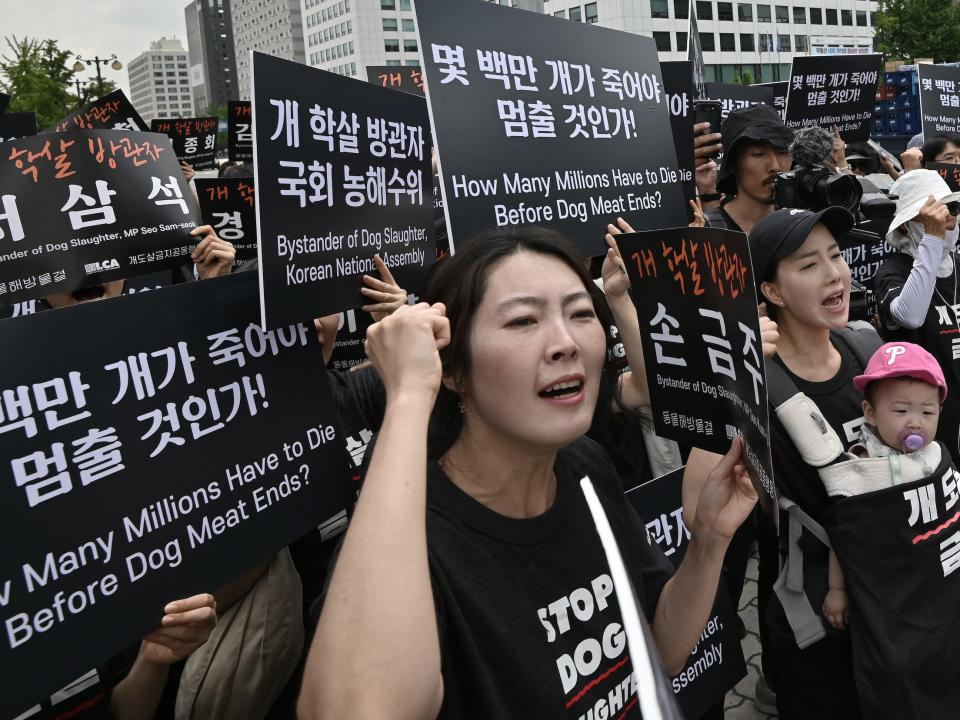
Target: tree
745	79
918	29
35	73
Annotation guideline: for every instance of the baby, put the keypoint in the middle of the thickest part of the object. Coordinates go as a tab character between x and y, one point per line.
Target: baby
903	389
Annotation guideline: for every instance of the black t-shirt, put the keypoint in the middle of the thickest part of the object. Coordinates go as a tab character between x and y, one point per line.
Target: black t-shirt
528	620
720	218
939	335
840	404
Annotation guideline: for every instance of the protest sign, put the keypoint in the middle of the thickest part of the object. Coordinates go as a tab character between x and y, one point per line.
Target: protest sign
695	296
716	664
733	97
88	206
678	88
834	91
547	122
864	252
779	96
194	139
227	205
111	112
408	78
181	447
4	102
695	55
342	171
351	335
939	99
239	131
15	125
949	172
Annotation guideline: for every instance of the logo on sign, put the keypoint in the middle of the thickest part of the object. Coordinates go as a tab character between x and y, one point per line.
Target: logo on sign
101	266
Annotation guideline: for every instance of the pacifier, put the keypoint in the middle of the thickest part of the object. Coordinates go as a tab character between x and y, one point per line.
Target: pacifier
913	442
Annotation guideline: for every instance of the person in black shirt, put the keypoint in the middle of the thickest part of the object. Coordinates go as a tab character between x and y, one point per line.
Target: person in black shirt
473	541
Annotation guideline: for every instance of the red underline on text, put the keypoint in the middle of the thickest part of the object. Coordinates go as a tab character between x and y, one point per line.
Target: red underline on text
931	533
593	683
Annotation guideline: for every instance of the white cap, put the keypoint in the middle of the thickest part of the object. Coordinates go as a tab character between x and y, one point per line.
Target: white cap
913	189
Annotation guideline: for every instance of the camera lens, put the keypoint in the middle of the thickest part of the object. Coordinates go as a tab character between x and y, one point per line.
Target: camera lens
842	190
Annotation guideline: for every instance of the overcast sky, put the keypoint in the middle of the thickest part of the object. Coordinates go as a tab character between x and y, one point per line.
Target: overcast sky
96	27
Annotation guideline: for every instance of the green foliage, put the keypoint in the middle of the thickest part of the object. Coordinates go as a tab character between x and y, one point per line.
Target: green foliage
745	79
35	73
918	29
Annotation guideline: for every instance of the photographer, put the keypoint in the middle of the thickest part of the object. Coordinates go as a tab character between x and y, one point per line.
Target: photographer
756	147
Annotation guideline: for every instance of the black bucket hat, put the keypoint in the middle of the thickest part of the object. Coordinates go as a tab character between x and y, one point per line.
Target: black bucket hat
757	124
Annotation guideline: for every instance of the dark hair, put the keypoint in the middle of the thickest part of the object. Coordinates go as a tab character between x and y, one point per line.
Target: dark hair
235	171
460	282
224	167
934	146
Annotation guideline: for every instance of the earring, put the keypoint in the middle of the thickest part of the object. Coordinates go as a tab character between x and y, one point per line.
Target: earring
461	407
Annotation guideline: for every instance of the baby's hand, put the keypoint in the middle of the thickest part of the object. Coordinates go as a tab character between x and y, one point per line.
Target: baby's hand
835	608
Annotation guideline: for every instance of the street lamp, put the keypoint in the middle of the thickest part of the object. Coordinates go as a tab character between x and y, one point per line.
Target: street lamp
79	65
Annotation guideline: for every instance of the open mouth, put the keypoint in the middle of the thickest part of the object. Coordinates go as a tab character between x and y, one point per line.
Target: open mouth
562	390
834	303
89	293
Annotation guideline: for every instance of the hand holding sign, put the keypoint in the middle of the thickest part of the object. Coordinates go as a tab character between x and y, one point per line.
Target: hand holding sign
388	295
726	499
214	257
185	627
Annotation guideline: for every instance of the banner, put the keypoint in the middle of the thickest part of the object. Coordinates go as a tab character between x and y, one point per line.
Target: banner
695	296
15	125
547	122
194	139
939	99
949	172
351	335
227	205
834	91
111	112
716	664
239	131
126	482
342	172
408	78
779	96
678	88
733	97
88	206
864	251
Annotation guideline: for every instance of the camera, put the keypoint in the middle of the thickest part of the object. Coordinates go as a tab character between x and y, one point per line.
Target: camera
814	187
863	302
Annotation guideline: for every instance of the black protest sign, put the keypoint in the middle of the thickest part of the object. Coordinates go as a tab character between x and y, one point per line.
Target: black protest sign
15	125
547	122
939	99
834	91
949	172
227	205
178	446
678	88
87	206
349	350
4	102
408	78
716	664
779	96
695	55
111	112
239	131
733	97
343	172
864	252
194	139
695	296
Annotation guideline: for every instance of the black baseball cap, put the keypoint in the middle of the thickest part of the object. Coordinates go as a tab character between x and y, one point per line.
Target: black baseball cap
759	124
781	233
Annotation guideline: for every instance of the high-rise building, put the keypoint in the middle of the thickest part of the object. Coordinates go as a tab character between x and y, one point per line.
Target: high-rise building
737	37
272	27
213	74
348	36
160	81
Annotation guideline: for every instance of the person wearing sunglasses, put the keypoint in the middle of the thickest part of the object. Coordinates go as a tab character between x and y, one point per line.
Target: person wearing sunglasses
917	285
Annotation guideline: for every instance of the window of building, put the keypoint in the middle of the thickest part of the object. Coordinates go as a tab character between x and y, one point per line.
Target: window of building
404	5
799	16
659	9
724	11
410	45
391	45
560	13
783	43
662	39
745	12
707	43
390	24
681	42
816	16
846	17
831	17
746	42
388	4
783	13
681	9
704	10
763	13
576	14
766	42
801	43
393	63
590	12
727	42
408	25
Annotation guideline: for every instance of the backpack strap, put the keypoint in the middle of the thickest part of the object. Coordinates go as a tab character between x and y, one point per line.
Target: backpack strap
861	339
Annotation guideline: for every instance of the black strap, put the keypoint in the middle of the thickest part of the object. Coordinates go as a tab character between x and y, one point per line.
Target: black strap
863	342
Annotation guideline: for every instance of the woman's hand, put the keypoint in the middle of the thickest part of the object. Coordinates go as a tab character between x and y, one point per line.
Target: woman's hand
188	171
385	292
212	256
405	349
698	220
726	499
616	283
934	216
185	627
911	159
769	336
